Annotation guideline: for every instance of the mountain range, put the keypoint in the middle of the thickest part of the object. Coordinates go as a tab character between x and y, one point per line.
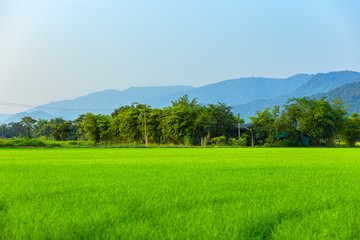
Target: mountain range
350	93
322	84
245	95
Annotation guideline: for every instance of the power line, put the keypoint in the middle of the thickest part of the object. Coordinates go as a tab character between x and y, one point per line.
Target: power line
11	104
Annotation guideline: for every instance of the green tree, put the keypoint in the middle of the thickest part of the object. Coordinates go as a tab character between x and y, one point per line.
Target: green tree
153	118
128	124
61	131
42	128
94	127
16	129
351	131
4	130
222	120
264	124
320	119
27	122
177	123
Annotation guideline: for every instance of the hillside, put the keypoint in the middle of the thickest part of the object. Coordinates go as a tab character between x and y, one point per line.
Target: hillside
231	92
350	93
4	116
34	114
244	90
246	95
324	82
319	83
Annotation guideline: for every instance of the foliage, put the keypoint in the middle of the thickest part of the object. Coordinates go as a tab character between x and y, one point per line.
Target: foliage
320	119
22	143
27	122
95	127
15	129
42	128
219	141
236	142
351	131
186	122
177	121
61	131
128	124
264	124
222	120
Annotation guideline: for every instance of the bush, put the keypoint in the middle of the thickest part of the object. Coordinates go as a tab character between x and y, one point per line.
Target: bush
73	143
55	144
236	142
282	143
219	141
22	143
31	143
6	143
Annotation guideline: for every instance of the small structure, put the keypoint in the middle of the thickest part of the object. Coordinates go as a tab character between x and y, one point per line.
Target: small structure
304	139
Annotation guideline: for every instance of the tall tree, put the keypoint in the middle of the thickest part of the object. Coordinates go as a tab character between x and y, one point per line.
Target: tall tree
16	129
154	117
177	123
128	123
320	119
95	127
61	131
351	131
42	128
222	120
28	123
264	124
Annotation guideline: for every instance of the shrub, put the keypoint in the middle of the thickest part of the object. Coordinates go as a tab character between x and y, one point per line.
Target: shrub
31	143
6	143
73	143
219	141
236	142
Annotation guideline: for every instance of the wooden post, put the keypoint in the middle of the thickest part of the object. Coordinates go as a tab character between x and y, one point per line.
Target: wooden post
252	137
146	138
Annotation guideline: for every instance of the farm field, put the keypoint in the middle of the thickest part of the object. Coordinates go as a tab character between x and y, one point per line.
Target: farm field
188	193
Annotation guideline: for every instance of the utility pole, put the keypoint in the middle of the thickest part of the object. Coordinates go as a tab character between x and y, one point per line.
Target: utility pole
239	126
146	138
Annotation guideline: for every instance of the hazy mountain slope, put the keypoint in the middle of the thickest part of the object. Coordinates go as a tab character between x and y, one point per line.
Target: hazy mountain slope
229	91
246	94
244	90
319	83
350	93
236	91
4	116
35	115
324	82
105	102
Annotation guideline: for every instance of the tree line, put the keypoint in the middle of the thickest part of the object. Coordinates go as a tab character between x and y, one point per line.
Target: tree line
184	122
187	122
323	122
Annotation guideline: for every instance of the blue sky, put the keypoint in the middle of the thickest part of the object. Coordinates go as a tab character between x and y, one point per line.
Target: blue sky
62	49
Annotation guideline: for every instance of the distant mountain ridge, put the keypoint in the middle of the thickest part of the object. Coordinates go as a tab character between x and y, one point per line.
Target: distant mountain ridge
246	95
350	94
4	117
34	114
318	83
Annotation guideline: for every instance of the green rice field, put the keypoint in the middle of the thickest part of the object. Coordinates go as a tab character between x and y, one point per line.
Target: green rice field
184	193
